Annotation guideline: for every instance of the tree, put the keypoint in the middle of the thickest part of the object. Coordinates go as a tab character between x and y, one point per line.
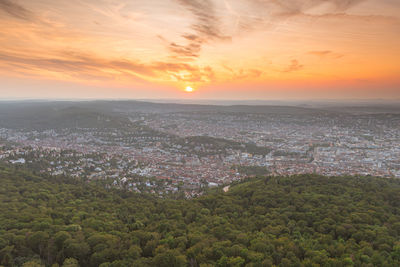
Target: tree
38	241
70	262
33	263
169	258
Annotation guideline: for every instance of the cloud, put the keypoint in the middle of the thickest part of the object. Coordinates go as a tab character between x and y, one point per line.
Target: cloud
299	7
16	10
242	74
325	53
190	50
342	5
206	23
320	53
185	72
275	11
71	62
83	65
205	29
247	16
294	66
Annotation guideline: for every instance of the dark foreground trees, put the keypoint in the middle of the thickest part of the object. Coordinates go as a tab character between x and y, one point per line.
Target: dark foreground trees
304	220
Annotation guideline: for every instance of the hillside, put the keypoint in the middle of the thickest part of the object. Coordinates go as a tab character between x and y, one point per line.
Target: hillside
58	117
59	114
286	221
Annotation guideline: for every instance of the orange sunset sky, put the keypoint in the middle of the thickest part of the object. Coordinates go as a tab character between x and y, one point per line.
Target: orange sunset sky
223	49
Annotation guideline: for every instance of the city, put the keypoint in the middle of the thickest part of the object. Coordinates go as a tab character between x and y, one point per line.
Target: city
166	150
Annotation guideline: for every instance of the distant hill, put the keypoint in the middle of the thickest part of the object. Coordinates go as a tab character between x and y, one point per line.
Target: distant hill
112	114
305	220
57	116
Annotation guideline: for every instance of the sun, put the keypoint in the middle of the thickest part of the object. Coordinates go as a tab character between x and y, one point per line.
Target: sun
189	89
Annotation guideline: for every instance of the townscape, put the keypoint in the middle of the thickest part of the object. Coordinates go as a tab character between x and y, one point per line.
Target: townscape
168	150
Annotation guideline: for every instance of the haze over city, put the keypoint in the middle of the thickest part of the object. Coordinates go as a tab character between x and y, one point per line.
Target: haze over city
241	49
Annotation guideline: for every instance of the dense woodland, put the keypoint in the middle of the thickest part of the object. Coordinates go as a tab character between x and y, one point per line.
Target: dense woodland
305	220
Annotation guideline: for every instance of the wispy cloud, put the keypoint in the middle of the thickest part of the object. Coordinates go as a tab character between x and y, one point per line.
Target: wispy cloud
242	74
187	51
74	64
293	66
277	11
16	10
325	53
206	28
299	7
206	23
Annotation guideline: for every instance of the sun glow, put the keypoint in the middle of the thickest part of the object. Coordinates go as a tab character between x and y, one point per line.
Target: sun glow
189	89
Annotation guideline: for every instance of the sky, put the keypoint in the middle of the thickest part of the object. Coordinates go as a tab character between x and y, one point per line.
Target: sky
222	49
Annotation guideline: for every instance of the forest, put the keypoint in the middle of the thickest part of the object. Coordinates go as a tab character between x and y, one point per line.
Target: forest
303	220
